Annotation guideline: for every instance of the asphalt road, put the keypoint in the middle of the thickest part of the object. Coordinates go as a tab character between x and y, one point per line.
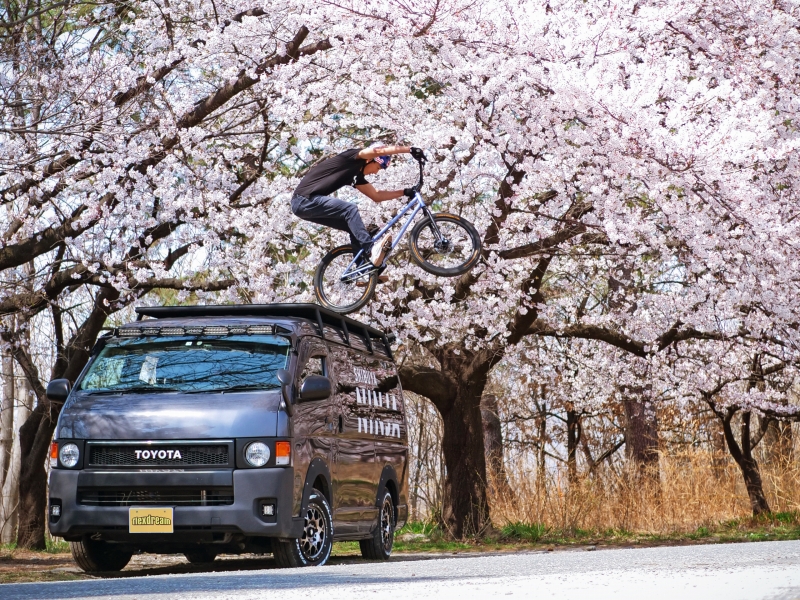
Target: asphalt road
755	571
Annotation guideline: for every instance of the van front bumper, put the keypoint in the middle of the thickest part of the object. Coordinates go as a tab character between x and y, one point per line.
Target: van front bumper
251	489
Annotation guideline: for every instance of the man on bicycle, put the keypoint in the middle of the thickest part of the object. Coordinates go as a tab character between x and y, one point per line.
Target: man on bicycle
312	200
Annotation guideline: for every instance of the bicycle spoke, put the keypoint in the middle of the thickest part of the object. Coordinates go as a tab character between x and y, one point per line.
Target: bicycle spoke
452	251
338	292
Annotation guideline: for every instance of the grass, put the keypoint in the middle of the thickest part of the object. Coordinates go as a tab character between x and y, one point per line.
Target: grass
536	536
53	546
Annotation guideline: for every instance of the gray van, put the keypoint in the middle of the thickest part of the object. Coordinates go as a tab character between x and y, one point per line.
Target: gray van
204	430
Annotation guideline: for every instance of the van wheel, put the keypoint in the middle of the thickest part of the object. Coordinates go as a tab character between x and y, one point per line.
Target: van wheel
200	555
94	556
379	546
313	549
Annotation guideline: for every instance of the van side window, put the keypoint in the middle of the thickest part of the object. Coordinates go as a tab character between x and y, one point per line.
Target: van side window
314	366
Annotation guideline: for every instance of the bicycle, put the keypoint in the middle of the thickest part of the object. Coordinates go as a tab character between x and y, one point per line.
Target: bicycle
442	244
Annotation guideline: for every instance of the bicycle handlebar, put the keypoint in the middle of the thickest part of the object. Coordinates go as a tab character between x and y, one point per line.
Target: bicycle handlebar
419	156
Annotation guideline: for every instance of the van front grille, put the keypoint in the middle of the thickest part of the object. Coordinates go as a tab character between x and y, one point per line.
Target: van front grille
152	497
143	456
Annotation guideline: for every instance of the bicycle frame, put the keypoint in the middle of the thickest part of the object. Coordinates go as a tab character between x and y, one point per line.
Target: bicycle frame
415	205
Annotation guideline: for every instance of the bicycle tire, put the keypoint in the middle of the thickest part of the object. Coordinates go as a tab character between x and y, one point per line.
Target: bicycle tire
326	289
423	251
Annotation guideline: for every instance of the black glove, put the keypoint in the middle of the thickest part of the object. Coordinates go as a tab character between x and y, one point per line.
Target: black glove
418	154
409	192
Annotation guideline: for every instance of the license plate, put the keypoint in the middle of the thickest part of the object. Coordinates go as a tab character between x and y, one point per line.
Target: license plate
150	520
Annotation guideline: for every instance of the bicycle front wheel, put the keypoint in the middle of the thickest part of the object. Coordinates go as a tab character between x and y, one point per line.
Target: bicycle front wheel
342	296
450	248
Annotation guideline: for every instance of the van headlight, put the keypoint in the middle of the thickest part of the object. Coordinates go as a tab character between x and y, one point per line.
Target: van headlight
69	455
256	454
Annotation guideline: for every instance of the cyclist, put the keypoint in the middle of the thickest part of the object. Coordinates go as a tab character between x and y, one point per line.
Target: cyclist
312	200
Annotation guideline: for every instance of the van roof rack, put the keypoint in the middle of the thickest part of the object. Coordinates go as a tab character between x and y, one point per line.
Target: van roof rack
319	315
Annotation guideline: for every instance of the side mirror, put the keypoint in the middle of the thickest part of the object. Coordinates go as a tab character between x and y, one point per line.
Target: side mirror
315	387
58	390
286	382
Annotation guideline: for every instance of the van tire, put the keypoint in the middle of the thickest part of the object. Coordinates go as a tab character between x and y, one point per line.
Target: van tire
313	549
379	546
200	555
94	556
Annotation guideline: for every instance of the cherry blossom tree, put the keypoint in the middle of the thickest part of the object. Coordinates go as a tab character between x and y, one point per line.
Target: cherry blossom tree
666	132
136	140
630	167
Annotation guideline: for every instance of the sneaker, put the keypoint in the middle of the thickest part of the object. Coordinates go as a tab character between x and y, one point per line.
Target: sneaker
379	251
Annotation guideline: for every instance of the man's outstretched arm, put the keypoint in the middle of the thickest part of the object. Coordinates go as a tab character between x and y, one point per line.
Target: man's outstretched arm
376	151
370	192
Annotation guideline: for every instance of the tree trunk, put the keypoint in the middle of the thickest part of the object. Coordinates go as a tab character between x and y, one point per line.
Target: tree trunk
6	414
743	456
541	463
493	448
415	486
10	500
641	434
573	439
466	508
32	492
9	455
777	443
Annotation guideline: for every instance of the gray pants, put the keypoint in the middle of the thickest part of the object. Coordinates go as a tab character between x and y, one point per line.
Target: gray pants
335	213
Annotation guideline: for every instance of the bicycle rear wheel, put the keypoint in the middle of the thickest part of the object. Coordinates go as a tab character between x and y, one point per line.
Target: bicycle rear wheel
454	252
342	296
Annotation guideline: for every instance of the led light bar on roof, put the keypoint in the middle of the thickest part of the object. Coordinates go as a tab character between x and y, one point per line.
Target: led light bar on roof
256	329
215	330
200	330
172	331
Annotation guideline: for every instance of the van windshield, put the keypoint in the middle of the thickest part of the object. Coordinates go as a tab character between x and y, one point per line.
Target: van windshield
188	364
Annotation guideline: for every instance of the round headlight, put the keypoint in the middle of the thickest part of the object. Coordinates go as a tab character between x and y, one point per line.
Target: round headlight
68	455
257	454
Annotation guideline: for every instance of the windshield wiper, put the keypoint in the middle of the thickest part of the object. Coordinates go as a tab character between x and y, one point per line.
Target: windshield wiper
130	390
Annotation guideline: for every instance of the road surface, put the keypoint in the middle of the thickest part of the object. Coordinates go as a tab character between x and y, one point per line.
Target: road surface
754	571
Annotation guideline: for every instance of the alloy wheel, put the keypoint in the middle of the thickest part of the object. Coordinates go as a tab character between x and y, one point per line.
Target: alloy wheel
313	540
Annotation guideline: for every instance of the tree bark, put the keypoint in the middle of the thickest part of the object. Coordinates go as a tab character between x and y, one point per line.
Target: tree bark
25	399
573	439
777	443
466	509
493	448
6	414
743	456
9	454
32	498
10	499
641	433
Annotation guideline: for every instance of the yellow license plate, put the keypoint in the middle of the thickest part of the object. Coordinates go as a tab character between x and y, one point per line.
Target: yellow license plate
150	520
